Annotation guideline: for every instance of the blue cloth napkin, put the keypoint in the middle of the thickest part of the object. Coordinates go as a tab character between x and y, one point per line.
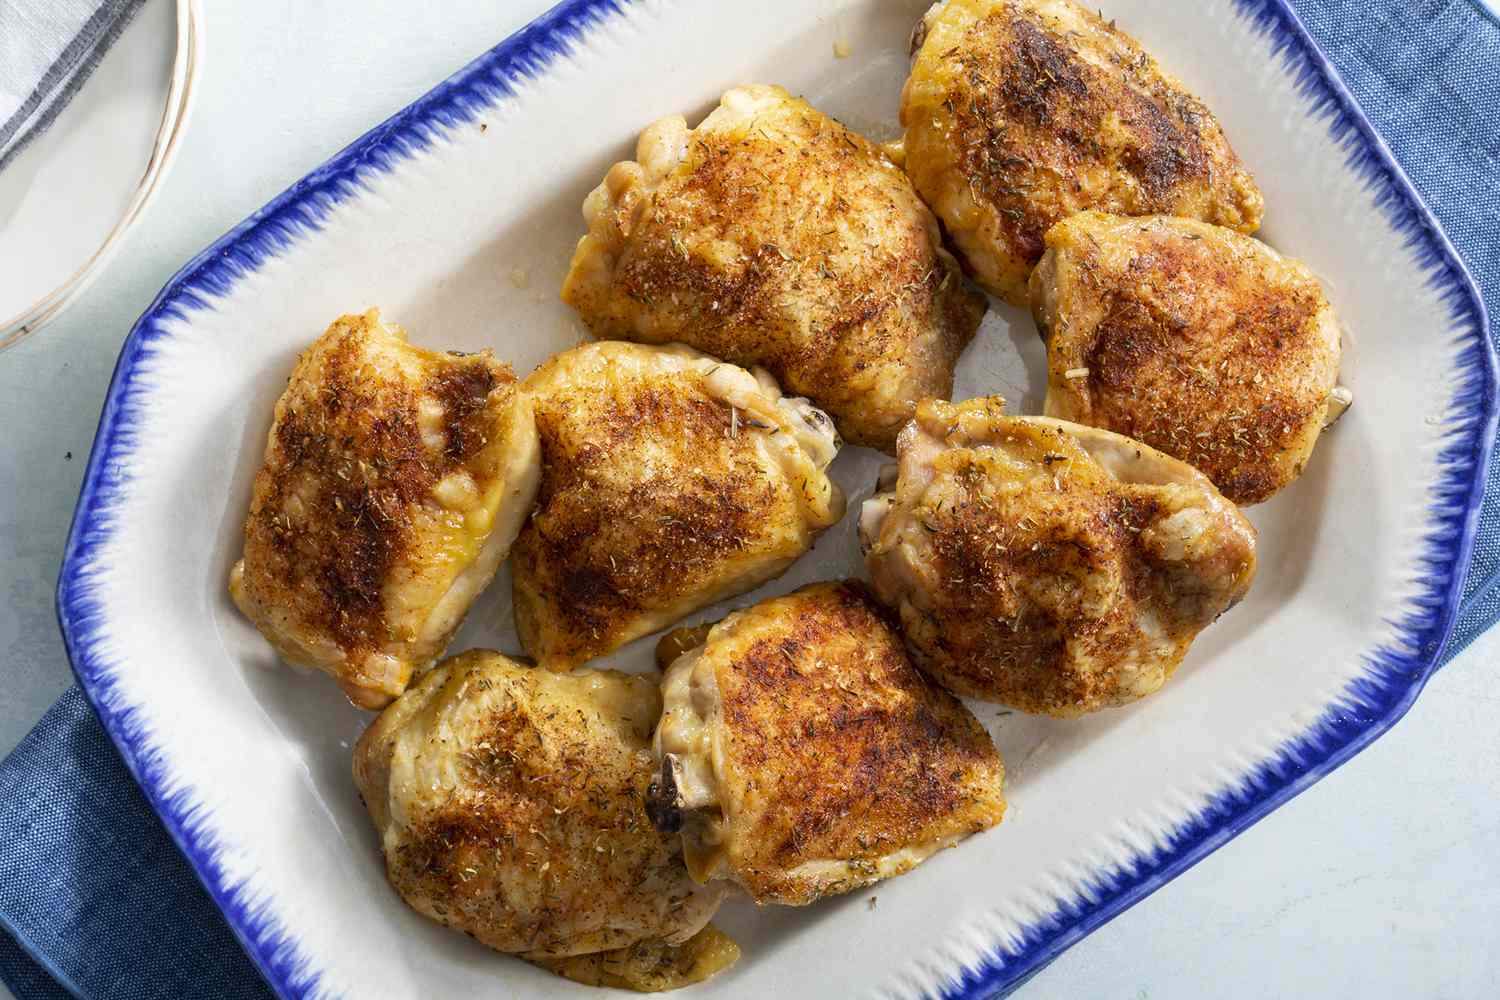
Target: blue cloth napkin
94	897
1427	73
95	900
48	48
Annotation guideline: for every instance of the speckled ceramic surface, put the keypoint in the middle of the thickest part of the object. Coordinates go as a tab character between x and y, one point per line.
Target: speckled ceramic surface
457	217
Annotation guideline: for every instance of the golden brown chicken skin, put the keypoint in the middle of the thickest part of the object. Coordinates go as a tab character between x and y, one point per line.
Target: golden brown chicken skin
1019	113
1052	567
771	235
803	755
670	481
1203	343
394	481
508	800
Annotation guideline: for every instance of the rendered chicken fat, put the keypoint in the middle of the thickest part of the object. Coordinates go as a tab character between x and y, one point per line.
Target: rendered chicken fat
650	966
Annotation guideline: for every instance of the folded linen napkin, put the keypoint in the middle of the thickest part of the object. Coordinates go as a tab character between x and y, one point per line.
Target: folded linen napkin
48	48
97	901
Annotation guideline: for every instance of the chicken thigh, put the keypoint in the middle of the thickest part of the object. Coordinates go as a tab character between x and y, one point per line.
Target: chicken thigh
1019	113
1201	342
394	481
508	800
803	755
771	235
1049	566
670	481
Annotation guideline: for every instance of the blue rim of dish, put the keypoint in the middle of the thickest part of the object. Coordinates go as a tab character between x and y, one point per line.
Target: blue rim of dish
1369	706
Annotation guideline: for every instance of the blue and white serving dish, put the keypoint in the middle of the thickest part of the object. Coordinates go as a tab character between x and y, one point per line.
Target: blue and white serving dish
457	217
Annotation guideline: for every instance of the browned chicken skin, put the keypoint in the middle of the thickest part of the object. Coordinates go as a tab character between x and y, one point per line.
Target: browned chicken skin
670	481
1203	343
771	235
1019	113
1052	567
508	802
394	481
803	755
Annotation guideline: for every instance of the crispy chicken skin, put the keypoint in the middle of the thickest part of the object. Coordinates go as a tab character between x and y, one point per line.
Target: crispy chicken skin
1052	567
508	800
771	235
670	481
803	755
1019	113
1201	342
394	481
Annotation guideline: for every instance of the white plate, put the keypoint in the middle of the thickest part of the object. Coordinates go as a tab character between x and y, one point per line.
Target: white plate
429	214
68	198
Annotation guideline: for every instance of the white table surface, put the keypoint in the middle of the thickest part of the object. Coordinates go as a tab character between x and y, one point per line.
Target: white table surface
1382	881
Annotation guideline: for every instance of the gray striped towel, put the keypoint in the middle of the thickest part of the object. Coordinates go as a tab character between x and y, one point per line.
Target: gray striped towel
48	48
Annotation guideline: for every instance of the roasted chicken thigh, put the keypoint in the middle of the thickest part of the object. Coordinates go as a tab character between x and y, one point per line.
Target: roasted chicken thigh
394	481
771	235
1049	566
508	800
670	481
1019	113
1203	343
803	755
